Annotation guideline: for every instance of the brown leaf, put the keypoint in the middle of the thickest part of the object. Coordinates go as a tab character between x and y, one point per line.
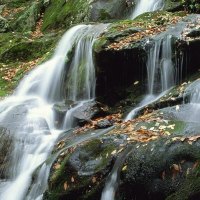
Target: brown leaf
57	166
94	180
65	186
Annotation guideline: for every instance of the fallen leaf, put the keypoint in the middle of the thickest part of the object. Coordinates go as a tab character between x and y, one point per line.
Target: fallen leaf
65	186
124	168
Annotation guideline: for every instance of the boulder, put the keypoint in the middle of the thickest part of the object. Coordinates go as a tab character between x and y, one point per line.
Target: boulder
62	14
89	111
28	18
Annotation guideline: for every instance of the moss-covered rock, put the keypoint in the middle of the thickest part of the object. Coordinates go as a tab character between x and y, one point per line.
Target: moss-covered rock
62	13
82	173
158	169
27	19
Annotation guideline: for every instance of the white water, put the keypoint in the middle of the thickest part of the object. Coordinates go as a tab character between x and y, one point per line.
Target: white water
190	112
30	117
112	182
143	6
160	73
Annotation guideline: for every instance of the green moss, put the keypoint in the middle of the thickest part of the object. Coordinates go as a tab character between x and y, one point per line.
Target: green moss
26	20
91	151
15	3
26	50
61	13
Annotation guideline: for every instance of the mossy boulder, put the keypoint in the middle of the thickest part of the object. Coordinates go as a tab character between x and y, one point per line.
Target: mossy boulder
81	174
159	169
61	13
24	49
27	19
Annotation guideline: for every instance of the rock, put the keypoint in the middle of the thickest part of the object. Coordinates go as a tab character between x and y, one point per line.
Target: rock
83	172
62	14
89	111
159	169
3	25
104	123
173	5
28	18
117	50
114	9
25	50
194	33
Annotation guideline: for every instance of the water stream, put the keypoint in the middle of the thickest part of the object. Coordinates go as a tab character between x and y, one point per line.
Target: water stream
28	113
143	6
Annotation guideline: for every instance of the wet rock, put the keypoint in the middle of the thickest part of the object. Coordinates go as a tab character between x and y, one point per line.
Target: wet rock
194	33
105	123
83	172
60	110
88	111
158	169
119	51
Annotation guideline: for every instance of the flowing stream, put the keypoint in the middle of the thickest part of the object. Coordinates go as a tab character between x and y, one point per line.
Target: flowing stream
143	6
29	117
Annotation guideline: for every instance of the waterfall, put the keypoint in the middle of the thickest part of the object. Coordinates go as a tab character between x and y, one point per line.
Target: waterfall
143	6
112	182
29	117
162	71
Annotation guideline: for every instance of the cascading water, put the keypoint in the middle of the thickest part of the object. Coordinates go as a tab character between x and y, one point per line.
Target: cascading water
160	72
81	86
112	183
143	6
29	117
162	69
192	94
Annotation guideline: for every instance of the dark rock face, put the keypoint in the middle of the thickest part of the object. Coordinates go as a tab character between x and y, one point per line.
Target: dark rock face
127	65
